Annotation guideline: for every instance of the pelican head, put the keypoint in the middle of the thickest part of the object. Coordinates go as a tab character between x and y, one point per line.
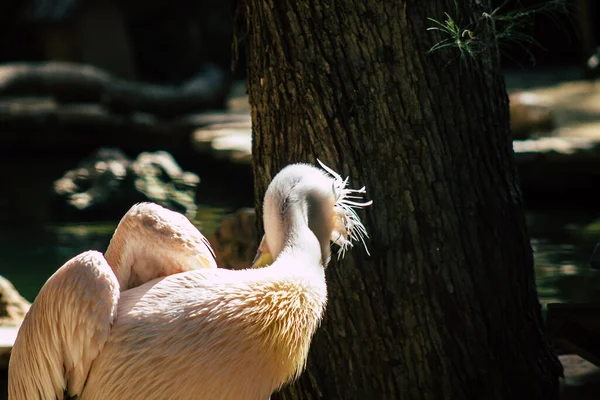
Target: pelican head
303	196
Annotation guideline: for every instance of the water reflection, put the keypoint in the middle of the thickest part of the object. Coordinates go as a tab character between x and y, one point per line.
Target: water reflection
562	244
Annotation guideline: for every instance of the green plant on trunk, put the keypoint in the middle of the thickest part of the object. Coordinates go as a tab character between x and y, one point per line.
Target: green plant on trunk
496	27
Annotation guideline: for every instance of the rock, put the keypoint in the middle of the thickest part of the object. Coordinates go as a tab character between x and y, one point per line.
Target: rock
13	306
581	378
44	125
74	83
557	147
160	180
234	242
206	90
529	116
68	82
107	183
230	141
98	185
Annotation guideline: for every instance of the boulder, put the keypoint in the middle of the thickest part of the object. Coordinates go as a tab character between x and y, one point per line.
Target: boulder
581	378
234	242
158	178
107	183
529	116
13	306
74	83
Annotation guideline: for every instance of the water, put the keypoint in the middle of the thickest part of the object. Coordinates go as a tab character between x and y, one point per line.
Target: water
562	242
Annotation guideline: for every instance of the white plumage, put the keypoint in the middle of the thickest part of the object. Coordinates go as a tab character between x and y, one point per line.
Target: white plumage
165	323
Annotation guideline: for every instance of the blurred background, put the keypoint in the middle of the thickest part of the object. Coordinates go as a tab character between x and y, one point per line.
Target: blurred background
104	103
91	90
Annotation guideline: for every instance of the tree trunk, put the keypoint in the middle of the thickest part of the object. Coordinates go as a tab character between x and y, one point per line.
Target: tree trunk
446	306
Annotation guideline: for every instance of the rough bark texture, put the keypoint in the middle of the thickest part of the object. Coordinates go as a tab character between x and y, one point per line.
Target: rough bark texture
446	306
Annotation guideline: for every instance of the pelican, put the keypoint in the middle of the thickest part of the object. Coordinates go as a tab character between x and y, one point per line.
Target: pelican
155	319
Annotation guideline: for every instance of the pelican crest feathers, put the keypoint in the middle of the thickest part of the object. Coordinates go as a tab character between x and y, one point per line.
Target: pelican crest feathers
348	226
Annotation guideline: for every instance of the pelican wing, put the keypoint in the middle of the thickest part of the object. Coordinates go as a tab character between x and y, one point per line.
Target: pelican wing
65	329
152	241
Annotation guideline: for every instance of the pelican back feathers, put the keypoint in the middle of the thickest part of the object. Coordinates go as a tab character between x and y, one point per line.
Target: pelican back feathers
210	334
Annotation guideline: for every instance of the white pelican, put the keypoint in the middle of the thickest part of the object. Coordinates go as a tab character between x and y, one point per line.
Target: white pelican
167	324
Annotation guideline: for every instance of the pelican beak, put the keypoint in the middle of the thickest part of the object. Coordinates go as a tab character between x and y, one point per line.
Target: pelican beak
339	235
263	256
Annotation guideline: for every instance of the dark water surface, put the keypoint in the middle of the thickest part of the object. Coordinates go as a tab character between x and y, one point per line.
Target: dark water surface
563	242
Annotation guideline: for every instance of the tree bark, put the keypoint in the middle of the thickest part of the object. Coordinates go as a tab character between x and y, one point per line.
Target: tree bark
446	305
